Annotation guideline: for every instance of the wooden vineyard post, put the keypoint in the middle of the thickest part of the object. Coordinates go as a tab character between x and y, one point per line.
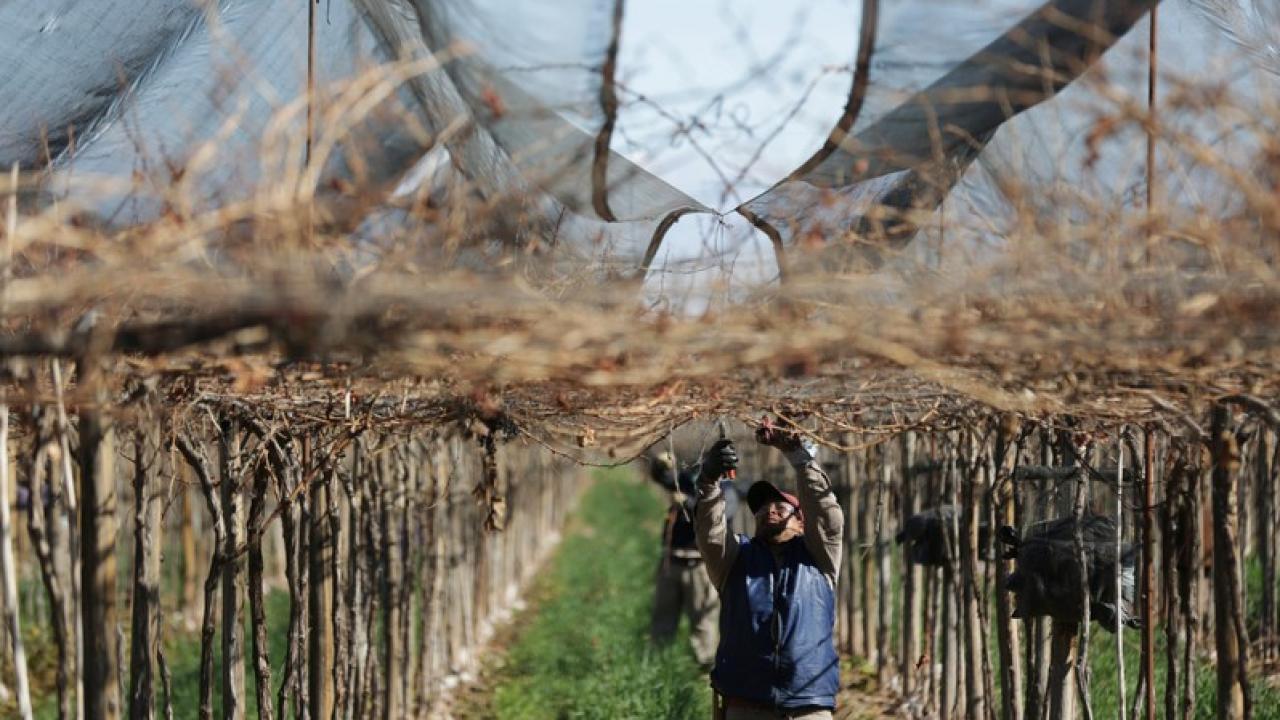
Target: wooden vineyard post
48	541
853	552
1190	575
1204	590
199	463
1171	552
947	602
866	554
1273	541
932	591
1264	527
443	547
98	558
394	651
412	560
931	586
8	559
320	604
1117	576
257	601
345	562
1232	645
148	541
233	585
8	571
884	608
291	530
1011	705
950	596
974	643
1040	641
1065	661
910	572
417	594
70	495
432	589
1083	675
1148	578
1062	661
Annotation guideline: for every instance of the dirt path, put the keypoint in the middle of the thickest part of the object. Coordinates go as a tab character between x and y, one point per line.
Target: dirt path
861	699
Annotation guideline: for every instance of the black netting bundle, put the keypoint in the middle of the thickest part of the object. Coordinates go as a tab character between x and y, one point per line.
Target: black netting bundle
924	532
1046	578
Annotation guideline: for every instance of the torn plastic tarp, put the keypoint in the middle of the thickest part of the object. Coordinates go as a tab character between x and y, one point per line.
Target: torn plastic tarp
916	144
133	90
945	78
192	94
535	76
176	90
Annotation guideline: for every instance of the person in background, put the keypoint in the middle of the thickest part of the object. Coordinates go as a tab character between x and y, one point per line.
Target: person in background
681	586
776	657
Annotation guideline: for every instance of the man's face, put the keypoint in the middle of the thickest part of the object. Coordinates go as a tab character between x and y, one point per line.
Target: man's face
776	518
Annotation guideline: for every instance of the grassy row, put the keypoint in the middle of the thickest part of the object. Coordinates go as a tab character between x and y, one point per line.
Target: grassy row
1105	686
1104	668
182	653
585	654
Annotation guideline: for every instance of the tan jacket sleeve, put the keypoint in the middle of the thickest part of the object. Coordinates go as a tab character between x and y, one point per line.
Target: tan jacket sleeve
719	549
823	518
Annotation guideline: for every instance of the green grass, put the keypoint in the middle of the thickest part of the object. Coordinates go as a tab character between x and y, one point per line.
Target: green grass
585	654
1104	688
183	656
182	652
1105	685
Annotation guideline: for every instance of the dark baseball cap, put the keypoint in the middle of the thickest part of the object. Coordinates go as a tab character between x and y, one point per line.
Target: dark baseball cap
763	492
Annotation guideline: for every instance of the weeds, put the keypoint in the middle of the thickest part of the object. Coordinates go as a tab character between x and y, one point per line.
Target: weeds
587	655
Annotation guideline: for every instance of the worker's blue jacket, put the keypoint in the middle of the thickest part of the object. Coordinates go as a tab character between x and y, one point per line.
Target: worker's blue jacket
776	620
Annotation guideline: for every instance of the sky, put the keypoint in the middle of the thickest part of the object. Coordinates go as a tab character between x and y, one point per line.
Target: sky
740	67
765	82
719	98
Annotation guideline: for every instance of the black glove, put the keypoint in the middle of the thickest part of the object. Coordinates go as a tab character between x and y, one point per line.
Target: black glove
719	459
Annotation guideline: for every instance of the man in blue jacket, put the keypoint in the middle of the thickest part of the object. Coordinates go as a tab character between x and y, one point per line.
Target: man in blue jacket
777	658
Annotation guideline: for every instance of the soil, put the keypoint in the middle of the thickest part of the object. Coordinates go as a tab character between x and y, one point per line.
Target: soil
862	699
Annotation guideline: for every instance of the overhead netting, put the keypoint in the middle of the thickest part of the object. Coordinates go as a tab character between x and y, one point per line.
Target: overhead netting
382	267
435	211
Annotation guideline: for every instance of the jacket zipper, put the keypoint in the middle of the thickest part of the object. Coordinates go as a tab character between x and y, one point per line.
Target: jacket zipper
776	627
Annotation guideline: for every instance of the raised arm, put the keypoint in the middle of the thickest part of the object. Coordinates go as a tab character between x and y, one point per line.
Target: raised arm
719	549
823	518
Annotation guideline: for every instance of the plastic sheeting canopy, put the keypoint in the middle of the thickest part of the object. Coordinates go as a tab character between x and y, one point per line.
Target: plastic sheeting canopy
524	99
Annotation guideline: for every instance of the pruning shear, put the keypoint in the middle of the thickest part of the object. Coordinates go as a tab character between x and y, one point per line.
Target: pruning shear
731	473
